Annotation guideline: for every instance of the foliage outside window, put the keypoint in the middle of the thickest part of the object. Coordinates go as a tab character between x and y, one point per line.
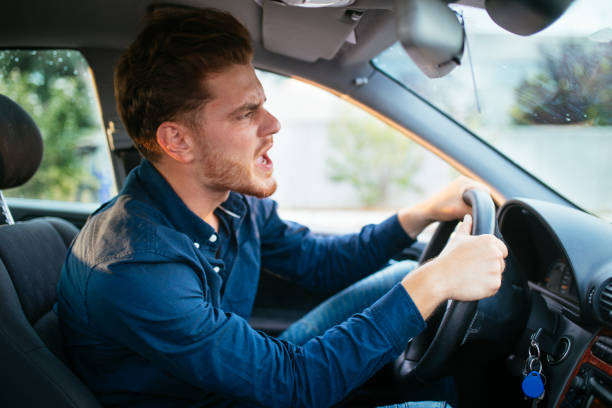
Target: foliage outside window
572	85
55	88
373	158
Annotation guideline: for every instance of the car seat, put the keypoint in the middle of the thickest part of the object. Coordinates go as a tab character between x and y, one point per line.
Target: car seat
33	371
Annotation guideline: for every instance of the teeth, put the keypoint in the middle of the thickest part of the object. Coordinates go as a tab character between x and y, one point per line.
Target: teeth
261	160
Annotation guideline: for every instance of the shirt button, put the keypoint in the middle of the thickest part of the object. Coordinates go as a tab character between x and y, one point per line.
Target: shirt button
213	238
216	269
196	244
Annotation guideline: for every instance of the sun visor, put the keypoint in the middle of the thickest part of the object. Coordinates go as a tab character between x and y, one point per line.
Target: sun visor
525	17
306	34
431	34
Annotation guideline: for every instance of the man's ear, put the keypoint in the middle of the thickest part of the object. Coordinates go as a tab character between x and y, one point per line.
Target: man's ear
175	140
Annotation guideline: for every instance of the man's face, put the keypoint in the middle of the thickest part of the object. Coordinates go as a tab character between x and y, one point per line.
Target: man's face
234	133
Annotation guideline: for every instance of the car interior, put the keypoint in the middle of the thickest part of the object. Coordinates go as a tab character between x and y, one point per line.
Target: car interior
553	312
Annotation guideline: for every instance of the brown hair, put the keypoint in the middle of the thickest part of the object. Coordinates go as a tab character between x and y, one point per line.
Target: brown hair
161	75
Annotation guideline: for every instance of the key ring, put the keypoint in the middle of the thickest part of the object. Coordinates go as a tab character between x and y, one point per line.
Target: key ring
533	343
532	363
534	346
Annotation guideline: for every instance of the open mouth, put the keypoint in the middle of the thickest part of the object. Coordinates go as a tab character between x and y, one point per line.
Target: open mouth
263	160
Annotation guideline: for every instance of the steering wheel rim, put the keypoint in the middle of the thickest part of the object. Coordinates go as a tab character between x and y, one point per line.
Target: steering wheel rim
425	355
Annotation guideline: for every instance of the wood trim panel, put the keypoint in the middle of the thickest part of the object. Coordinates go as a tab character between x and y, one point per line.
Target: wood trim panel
589	358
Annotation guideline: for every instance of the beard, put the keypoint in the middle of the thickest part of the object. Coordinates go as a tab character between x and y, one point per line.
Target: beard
224	173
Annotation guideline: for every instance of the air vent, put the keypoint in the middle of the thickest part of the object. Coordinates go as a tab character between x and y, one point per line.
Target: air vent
605	302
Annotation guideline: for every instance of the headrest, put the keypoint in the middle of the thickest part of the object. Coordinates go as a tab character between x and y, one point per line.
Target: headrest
21	145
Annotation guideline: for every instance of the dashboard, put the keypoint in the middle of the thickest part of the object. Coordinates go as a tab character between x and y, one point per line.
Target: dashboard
564	259
559	278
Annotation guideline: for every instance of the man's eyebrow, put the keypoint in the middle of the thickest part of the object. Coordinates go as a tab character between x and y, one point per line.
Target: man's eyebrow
247	106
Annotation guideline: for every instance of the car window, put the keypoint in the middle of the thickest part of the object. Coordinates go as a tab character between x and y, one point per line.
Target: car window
56	88
337	166
544	100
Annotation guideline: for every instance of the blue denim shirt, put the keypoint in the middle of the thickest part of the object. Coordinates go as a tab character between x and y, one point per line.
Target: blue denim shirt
155	313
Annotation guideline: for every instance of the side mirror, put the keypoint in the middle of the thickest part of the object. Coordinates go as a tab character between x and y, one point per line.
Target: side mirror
431	34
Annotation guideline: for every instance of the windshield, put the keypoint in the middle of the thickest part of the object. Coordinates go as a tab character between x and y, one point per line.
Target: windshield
544	100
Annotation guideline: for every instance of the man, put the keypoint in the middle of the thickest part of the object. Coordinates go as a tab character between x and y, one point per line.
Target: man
157	289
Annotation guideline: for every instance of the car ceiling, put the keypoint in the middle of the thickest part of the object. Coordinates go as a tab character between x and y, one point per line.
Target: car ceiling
301	33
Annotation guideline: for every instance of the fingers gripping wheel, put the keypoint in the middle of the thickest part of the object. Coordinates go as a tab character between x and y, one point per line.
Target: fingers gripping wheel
426	354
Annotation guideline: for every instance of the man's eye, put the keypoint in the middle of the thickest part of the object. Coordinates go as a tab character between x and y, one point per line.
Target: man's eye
247	115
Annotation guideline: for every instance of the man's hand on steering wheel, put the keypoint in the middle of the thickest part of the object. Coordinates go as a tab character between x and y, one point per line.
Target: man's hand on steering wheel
446	205
469	268
460	272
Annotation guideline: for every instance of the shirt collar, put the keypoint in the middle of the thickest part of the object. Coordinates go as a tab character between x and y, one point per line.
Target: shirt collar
172	206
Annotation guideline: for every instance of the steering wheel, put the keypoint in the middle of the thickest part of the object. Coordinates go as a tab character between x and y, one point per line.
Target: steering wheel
426	354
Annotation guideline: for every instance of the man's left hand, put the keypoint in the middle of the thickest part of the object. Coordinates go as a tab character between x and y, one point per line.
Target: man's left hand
446	205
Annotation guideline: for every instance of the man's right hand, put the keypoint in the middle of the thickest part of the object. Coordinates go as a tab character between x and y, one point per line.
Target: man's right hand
469	268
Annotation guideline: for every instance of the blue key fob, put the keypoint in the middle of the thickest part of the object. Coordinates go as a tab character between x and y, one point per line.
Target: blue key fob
533	386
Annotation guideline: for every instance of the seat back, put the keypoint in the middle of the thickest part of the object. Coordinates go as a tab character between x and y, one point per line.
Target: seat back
33	372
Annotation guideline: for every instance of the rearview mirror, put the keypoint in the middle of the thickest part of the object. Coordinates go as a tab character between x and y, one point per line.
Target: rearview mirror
525	17
431	34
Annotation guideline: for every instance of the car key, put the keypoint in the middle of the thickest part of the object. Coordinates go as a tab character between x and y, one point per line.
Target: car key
534	381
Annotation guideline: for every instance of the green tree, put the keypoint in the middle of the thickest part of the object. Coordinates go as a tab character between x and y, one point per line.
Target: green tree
372	157
573	84
51	86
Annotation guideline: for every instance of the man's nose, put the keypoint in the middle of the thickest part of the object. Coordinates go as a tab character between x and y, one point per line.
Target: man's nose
271	125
